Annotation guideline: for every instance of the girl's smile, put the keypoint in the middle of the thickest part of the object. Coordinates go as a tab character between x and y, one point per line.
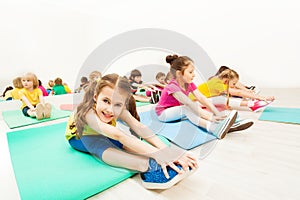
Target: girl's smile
109	104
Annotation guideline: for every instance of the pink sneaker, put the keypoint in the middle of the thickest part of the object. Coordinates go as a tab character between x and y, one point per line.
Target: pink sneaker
259	105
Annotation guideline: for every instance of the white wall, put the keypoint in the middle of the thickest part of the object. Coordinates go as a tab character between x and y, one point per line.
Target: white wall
52	38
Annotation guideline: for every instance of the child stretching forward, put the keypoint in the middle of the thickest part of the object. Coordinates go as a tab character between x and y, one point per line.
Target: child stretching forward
223	84
33	104
174	103
92	130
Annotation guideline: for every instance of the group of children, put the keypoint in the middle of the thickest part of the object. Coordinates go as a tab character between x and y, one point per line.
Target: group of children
92	127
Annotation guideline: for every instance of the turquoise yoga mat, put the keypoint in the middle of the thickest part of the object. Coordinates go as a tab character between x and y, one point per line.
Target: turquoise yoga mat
46	167
138	103
183	133
15	118
279	114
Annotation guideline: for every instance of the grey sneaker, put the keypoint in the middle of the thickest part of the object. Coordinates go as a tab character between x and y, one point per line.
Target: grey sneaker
241	125
224	125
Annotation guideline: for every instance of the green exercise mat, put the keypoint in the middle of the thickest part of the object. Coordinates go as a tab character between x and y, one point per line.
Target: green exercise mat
15	118
138	103
46	167
278	114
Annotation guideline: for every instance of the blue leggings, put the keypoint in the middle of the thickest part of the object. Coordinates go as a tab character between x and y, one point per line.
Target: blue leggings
94	144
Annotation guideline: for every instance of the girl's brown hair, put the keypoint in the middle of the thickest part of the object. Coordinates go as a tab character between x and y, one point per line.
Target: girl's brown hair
134	73
58	81
178	63
95	88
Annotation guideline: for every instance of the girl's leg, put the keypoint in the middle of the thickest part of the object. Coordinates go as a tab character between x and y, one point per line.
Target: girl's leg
119	158
233	102
109	151
172	114
179	112
195	119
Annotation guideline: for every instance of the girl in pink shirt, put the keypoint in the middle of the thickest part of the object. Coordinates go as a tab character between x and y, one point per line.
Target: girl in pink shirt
174	103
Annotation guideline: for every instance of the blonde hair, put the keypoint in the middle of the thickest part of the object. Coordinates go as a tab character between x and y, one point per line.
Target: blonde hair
33	78
95	76
230	74
95	88
17	82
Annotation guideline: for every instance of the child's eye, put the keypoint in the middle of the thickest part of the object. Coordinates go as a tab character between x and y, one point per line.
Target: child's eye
106	101
118	105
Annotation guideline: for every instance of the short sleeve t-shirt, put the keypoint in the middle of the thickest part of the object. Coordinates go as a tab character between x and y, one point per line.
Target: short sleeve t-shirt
213	87
167	99
71	129
32	96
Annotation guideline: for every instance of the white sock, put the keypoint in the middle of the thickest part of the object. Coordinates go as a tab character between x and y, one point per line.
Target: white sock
211	126
250	103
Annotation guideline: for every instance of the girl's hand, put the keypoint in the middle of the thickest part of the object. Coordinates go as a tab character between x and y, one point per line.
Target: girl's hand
215	118
187	161
167	157
32	109
270	98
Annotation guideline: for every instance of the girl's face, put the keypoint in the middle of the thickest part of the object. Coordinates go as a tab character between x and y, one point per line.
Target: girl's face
189	74
233	82
109	104
161	80
27	83
137	79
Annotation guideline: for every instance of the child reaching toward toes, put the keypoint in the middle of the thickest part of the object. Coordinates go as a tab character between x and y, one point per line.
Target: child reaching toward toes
175	104
93	130
33	104
223	84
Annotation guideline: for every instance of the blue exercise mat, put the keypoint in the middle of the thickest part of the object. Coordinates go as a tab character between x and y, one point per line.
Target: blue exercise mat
182	133
279	114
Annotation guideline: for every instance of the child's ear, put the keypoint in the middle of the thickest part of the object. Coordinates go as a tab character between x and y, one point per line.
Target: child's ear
225	81
95	97
178	73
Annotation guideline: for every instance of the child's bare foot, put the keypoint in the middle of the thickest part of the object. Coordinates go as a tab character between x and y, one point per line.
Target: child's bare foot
39	111
47	110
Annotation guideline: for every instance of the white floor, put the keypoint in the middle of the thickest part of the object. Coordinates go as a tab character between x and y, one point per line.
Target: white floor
262	162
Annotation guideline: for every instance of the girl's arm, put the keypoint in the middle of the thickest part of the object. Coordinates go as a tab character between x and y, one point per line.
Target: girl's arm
27	102
183	99
245	94
141	129
241	86
126	139
42	99
204	101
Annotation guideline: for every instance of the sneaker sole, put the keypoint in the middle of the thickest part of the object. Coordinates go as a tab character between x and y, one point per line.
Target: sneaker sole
163	186
241	127
228	125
